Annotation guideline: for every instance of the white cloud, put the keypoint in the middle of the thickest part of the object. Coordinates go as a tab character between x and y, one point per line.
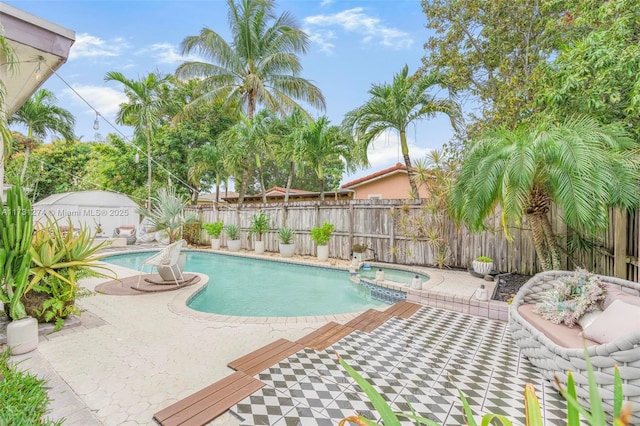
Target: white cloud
324	3
355	20
321	38
385	152
167	53
88	46
104	99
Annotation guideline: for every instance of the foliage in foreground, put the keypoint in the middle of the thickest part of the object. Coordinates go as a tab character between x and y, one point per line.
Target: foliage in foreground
23	399
595	416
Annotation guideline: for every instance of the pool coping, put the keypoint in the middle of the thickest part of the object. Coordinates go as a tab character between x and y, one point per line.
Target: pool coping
429	295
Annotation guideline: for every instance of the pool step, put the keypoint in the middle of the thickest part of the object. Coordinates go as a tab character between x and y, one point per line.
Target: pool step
325	336
265	357
205	405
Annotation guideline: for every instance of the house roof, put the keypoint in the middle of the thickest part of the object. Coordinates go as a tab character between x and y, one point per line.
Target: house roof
278	190
398	168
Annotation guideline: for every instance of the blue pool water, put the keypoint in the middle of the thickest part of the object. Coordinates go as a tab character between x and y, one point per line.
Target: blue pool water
250	287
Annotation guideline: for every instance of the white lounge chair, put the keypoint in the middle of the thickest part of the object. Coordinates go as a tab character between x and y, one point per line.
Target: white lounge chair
167	257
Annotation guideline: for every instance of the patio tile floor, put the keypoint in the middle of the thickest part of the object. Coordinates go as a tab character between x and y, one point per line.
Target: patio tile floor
414	361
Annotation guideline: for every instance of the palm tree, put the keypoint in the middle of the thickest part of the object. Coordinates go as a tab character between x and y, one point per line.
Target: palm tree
10	61
322	143
288	144
580	165
144	111
395	106
40	116
259	66
237	144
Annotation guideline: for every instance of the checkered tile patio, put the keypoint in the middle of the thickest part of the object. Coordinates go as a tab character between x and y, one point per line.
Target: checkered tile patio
407	360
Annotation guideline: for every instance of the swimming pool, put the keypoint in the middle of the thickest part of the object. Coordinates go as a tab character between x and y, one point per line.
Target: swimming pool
252	287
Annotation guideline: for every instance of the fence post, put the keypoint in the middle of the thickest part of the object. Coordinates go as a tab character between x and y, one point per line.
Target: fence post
620	243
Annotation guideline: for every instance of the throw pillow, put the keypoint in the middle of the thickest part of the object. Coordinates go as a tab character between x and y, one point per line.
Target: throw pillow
614	293
588	318
617	320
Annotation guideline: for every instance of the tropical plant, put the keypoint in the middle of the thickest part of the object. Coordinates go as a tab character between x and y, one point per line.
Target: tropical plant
16	225
214	229
144	111
321	234
168	213
40	116
322	144
287	148
24	396
285	235
61	256
396	106
260	224
582	166
595	416
232	232
259	66
10	60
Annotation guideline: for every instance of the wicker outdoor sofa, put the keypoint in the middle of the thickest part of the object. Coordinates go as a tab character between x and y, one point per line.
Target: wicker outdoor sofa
555	356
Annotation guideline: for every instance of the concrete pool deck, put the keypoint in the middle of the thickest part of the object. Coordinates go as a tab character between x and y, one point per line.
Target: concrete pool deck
134	355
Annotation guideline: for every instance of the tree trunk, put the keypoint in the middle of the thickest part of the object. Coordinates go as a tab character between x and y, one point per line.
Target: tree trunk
407	162
23	174
289	181
539	241
321	176
148	169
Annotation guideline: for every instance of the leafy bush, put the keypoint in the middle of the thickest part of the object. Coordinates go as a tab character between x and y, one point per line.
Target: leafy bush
321	234
214	229
484	259
23	399
168	213
359	248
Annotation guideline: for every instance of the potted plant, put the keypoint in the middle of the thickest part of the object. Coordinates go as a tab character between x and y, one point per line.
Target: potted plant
259	225
167	216
16	227
483	265
214	230
286	246
358	251
233	237
320	235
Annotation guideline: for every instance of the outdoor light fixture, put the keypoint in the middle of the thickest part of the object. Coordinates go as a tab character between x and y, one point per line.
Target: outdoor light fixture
96	123
136	158
37	74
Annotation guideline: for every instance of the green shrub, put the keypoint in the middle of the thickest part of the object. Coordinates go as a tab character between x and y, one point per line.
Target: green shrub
232	232
484	259
259	225
23	399
214	229
321	234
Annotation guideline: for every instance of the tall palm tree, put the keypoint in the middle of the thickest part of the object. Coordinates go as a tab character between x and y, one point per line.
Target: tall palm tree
237	143
144	111
10	61
288	143
395	106
260	64
323	143
41	116
580	165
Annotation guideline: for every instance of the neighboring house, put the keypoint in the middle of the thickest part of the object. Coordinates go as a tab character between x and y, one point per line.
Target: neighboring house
276	195
388	184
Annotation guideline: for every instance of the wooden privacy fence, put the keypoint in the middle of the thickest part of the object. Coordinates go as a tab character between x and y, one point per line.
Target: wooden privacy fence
379	225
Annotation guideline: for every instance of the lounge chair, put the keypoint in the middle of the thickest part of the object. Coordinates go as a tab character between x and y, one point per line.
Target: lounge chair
167	257
126	231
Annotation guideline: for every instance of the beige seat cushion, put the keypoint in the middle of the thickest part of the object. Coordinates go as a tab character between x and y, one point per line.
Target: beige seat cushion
560	334
615	293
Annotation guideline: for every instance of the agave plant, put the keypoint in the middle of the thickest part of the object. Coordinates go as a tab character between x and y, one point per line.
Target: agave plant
168	213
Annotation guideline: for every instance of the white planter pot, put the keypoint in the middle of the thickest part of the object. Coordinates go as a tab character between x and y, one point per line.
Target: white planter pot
323	253
22	335
358	256
287	250
234	245
482	267
166	273
215	243
259	247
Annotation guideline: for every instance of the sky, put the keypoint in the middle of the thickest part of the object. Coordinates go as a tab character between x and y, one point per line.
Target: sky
353	44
